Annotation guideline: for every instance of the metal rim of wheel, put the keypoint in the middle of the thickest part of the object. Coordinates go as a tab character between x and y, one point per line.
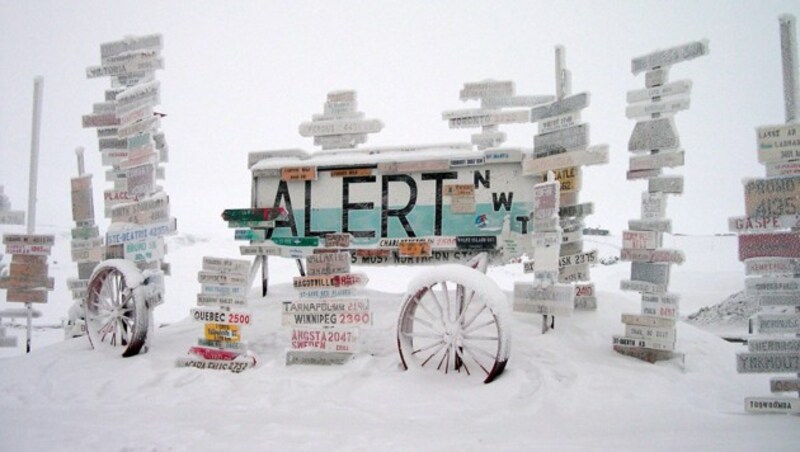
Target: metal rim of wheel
116	315
454	324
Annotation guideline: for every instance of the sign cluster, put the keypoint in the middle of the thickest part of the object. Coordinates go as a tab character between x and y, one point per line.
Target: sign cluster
8	216
87	248
324	321
134	148
222	309
562	147
495	97
769	246
27	280
545	295
341	125
650	335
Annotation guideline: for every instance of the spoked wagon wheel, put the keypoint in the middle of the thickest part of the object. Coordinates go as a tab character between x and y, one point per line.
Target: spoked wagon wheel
117	317
455	319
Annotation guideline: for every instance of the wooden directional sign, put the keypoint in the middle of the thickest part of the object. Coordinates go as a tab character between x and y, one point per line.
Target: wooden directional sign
487	89
327	264
560	107
340	127
490	118
141	233
668	90
260	250
668	57
317	358
38	250
300	173
660	305
784	384
354	280
147	250
572	138
589	257
221	301
515	101
592	156
324	340
222	265
638	342
770	345
220	317
654	134
777	323
656	161
576	210
655	334
775	169
555	299
337	240
559	122
772	197
211	277
654	206
329	318
296	241
27	281
782	244
763	285
771	266
772	405
12	217
763	224
655	273
747	362
641	240
650	225
652	255
26	295
28	239
669	106
781	142
642	286
666	184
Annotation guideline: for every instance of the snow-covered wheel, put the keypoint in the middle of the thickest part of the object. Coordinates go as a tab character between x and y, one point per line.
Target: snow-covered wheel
117	316
455	319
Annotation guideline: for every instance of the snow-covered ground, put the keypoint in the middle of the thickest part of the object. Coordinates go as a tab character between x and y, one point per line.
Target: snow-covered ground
566	389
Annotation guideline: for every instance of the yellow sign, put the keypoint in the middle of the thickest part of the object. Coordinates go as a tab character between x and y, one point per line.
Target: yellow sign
223	333
414	248
351	172
299	173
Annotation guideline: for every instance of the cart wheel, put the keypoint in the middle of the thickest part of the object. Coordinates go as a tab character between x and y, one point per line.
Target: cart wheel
455	319
116	314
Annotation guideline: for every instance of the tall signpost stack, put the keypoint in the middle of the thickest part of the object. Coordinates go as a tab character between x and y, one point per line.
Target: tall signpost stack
769	245
562	147
222	309
132	146
650	334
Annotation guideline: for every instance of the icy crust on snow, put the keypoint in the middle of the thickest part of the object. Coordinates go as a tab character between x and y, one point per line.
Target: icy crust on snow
373	156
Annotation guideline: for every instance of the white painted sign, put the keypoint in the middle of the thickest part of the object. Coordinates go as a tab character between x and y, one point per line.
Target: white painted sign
595	155
222	317
560	107
657	161
324	340
222	265
354	280
656	334
666	184
666	107
771	266
668	90
654	206
491	118
763	224
559	122
643	343
641	240
555	299
212	277
141	233
772	362
652	255
777	323
221	301
340	127
327	264
487	89
772	405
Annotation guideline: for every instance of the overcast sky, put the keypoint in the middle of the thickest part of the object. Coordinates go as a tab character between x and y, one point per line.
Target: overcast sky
242	75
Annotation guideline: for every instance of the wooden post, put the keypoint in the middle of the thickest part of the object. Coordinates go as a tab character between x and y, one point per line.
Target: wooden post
79	154
38	85
789	58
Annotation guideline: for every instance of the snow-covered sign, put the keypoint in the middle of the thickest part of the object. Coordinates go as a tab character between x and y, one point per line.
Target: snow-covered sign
774	345
141	233
38	250
221	301
221	265
646	109
668	57
652	255
560	107
777	323
781	244
641	240
212	277
763	224
595	155
490	118
654	134
555	299
654	273
775	140
260	250
770	362
340	127
487	89
771	266
666	90
772	196
666	184
571	138
559	122
656	161
654	206
12	217
323	340
784	384
642	343
215	364
28	239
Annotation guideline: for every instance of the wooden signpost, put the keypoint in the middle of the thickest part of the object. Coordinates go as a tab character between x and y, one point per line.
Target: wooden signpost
563	146
769	245
650	335
224	316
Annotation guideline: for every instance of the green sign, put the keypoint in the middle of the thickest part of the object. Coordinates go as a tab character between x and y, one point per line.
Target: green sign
296	241
249	234
250	214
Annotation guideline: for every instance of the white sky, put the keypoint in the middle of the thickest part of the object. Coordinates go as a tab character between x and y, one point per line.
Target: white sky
242	75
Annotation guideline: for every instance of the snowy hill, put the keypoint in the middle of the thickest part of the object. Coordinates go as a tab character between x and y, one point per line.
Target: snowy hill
566	389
